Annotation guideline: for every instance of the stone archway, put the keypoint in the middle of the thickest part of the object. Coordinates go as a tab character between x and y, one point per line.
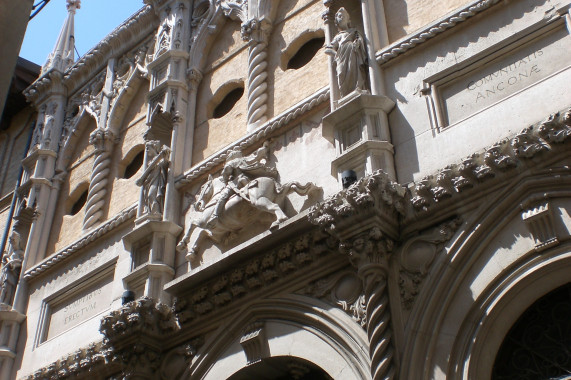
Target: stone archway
538	345
281	368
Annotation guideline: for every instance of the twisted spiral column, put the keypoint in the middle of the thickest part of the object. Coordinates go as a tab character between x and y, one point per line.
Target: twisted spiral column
99	178
257	83
257	32
378	323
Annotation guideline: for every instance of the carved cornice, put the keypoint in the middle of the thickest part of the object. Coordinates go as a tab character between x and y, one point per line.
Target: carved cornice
253	276
77	364
375	196
101	231
135	335
268	128
114	44
432	30
505	158
141	316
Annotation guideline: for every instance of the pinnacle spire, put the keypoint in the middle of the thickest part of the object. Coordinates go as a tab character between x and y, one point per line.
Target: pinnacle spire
61	58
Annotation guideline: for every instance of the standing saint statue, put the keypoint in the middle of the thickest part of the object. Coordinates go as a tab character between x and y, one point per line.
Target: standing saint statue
154	178
350	55
11	264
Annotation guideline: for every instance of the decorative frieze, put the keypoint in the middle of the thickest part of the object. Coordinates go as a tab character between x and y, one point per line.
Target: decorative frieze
504	158
373	196
78	364
253	275
424	34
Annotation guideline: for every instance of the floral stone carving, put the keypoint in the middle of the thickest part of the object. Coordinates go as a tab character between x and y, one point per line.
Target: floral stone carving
225	201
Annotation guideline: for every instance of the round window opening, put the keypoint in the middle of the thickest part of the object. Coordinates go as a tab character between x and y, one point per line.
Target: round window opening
79	203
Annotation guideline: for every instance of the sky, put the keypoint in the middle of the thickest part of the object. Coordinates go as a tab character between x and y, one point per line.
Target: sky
93	21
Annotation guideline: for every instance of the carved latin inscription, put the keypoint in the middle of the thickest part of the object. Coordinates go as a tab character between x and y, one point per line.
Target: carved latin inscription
79	307
497	76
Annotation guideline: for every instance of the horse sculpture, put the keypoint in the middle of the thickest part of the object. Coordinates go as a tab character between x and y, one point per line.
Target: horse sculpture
260	194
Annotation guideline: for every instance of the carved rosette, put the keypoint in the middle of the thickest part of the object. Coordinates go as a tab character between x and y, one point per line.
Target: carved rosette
102	140
134	336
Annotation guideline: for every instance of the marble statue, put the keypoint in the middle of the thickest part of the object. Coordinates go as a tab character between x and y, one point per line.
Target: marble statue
11	264
154	178
246	184
350	56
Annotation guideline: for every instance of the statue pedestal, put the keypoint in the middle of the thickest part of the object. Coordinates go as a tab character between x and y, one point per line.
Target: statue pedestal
152	246
361	133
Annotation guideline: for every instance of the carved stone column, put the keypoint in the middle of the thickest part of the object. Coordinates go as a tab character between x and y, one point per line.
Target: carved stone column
365	219
257	33
369	253
102	140
328	17
256	17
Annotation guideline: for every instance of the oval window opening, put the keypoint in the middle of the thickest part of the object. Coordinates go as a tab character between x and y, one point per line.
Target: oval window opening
228	102
306	53
79	203
133	167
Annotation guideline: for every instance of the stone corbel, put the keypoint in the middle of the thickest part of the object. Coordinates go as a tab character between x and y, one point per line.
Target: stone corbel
135	335
254	343
365	219
540	221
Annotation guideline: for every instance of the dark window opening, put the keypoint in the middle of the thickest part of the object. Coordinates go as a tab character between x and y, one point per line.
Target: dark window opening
228	102
79	203
306	53
134	166
538	346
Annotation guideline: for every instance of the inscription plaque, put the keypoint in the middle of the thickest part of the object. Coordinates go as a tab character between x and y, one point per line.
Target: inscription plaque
492	79
79	306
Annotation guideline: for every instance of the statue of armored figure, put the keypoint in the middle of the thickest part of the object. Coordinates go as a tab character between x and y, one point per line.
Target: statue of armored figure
226	202
350	56
154	178
11	265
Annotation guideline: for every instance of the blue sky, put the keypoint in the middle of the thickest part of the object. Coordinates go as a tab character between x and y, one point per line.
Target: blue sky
93	21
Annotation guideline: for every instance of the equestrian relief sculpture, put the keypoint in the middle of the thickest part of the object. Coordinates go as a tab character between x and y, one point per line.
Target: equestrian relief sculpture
233	200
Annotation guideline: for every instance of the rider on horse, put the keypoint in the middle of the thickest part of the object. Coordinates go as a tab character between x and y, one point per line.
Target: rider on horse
239	174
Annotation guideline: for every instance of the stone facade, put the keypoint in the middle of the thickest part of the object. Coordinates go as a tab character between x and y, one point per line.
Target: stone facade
294	189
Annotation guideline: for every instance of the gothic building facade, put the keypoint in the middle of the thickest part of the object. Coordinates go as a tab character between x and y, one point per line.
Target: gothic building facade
304	189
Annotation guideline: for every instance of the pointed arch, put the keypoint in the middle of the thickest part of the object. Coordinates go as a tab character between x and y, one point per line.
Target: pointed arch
75	130
490	273
296	326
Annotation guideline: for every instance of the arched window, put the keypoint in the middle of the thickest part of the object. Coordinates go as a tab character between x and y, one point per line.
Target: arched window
281	367
228	102
305	53
78	198
134	165
538	345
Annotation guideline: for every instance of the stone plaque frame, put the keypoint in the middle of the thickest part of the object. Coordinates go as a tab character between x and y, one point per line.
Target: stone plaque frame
101	276
435	87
